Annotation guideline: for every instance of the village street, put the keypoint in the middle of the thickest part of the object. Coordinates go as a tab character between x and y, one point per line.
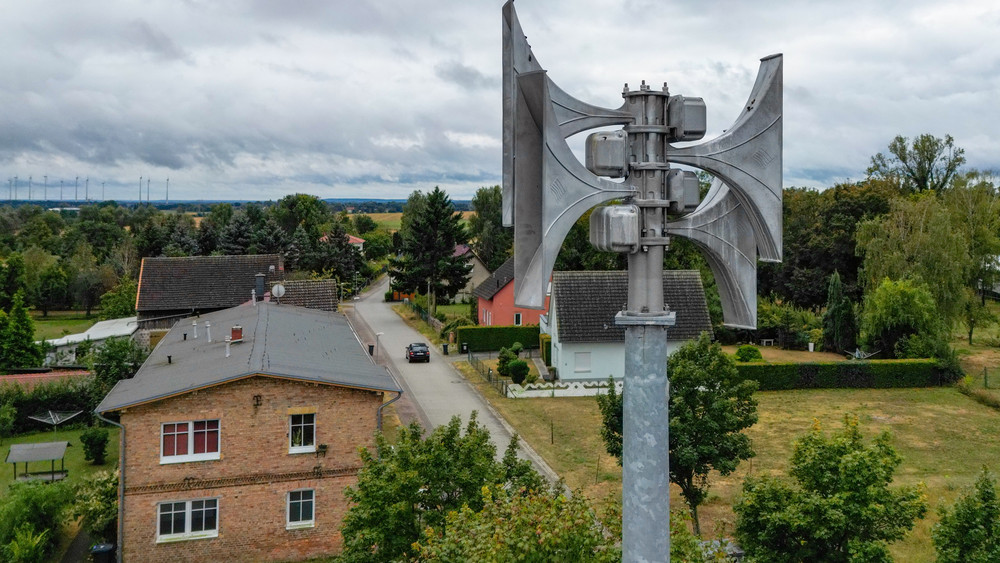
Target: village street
434	391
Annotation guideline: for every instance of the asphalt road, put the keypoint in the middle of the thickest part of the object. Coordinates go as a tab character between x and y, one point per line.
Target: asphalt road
433	392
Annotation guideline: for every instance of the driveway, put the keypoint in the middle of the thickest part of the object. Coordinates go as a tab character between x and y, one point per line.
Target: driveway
433	392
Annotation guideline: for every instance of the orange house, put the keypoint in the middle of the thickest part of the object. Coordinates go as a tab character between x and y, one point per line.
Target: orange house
495	298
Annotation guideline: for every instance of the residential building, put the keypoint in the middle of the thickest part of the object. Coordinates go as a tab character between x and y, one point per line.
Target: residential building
240	434
62	351
172	288
477	275
495	300
586	342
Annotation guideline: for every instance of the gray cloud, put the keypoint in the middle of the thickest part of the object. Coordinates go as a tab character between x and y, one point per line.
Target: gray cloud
377	98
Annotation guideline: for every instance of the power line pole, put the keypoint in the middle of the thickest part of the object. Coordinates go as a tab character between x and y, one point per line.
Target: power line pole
168	191
86	190
76	190
140	191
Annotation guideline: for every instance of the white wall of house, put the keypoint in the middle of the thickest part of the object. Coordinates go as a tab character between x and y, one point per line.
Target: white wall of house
593	360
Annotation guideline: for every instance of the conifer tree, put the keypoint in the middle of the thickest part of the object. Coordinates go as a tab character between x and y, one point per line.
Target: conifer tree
18	347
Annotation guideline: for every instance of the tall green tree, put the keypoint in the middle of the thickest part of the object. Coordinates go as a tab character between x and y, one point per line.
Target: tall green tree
413	484
269	238
900	320
116	359
236	238
12	279
927	164
430	231
840	325
53	288
917	240
18	348
975	211
364	224
840	507
969	530
491	241
304	210
710	407
120	301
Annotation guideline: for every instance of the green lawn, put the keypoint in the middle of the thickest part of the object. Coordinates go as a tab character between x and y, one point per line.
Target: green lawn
456	310
61	323
78	467
943	437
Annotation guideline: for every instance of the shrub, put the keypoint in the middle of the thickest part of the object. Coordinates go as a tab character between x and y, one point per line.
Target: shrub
95	444
97	504
545	342
35	506
748	353
453	324
504	358
74	394
881	374
517	348
27	546
485	338
518	371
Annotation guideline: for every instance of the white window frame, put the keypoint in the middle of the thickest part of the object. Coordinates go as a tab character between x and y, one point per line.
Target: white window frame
517	319
581	362
289	525
187	534
184	458
306	448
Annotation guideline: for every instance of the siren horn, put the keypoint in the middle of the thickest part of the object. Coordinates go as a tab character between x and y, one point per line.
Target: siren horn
552	189
747	158
721	228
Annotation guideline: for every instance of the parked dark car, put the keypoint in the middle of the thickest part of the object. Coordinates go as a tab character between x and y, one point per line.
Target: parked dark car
418	352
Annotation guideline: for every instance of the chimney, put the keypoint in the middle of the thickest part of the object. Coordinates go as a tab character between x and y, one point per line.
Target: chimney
208	330
260	285
195	325
237	333
227	346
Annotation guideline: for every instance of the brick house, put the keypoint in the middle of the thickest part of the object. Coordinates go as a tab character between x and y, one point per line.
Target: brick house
241	450
586	342
495	299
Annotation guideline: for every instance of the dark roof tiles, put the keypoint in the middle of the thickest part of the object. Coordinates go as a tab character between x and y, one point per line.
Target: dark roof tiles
586	304
497	280
203	282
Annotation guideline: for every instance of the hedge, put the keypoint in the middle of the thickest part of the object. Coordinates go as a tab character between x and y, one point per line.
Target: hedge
489	338
877	374
545	343
72	394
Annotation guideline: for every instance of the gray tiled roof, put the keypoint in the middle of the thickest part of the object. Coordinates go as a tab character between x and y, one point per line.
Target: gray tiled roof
586	304
500	278
311	294
203	282
278	340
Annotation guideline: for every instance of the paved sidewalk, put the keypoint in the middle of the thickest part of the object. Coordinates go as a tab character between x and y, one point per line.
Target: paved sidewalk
434	391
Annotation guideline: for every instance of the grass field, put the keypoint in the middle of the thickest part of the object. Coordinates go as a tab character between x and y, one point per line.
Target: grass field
61	323
393	221
943	437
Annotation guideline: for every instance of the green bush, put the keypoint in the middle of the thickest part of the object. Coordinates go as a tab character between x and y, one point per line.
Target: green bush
880	374
517	348
27	545
36	507
748	353
453	324
518	371
96	503
545	342
489	338
95	444
504	358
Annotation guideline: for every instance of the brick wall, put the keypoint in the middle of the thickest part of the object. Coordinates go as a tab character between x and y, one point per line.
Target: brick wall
254	472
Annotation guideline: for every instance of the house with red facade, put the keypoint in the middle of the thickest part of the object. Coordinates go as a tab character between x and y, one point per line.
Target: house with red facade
495	300
240	433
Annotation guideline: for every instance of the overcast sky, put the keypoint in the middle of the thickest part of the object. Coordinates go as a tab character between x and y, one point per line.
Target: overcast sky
256	99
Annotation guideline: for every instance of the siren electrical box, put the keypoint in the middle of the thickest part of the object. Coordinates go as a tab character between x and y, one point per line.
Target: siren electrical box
615	228
606	152
683	191
687	118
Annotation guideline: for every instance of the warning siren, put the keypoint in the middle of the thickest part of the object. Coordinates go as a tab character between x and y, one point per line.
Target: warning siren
546	189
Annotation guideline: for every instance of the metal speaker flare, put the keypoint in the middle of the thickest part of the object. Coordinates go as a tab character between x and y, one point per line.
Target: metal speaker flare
747	157
721	228
552	189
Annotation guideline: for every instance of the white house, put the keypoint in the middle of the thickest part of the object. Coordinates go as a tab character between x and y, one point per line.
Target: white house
586	343
62	351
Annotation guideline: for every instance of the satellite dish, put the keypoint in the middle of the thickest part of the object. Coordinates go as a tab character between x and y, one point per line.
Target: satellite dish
278	290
